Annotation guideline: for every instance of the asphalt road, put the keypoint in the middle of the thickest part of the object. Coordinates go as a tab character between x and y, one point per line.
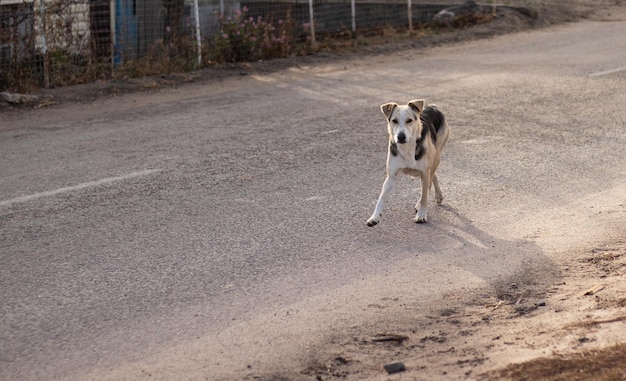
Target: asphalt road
217	230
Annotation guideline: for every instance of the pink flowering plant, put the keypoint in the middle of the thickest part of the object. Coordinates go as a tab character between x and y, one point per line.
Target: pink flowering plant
245	38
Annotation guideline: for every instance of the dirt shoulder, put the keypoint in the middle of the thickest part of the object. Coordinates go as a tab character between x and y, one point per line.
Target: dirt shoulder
515	16
533	328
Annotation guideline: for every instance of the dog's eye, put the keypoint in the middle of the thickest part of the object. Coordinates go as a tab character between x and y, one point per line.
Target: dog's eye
395	121
409	121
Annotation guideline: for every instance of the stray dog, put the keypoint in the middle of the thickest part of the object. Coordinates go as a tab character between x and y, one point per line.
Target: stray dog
417	136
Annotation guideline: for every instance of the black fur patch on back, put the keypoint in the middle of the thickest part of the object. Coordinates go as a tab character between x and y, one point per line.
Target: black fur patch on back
432	116
393	148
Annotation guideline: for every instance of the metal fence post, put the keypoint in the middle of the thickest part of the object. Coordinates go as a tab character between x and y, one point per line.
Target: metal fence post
410	15
353	10
312	21
113	32
196	14
44	46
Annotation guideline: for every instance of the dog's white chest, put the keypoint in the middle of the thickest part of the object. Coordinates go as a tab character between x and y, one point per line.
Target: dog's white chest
405	161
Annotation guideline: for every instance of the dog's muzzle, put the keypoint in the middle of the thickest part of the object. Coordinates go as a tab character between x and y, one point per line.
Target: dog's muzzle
401	138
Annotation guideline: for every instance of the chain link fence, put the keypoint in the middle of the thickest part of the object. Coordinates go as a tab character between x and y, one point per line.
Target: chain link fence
46	43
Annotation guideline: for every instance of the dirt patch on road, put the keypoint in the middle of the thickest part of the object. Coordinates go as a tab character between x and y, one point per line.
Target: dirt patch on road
570	328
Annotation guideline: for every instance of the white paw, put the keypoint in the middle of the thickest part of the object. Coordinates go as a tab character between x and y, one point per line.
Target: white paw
420	217
439	199
373	220
420	220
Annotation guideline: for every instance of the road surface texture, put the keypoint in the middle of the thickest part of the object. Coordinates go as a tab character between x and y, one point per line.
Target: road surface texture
218	231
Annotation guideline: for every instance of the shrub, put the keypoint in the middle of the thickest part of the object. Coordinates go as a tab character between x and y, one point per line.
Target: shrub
243	38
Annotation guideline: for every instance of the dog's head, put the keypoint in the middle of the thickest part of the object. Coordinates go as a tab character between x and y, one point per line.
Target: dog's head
403	121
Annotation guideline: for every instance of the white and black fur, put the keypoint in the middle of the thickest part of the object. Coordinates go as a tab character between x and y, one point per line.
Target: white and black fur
417	136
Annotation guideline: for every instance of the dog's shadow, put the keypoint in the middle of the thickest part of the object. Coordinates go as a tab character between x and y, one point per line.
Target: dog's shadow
495	258
450	239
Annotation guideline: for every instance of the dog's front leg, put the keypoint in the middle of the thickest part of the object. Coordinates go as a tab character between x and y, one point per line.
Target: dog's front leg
422	205
384	195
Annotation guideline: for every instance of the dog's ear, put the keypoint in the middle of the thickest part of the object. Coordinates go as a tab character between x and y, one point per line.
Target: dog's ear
387	108
417	105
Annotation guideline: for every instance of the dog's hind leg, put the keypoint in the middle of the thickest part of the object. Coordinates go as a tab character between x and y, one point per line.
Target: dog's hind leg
438	193
422	205
384	195
433	171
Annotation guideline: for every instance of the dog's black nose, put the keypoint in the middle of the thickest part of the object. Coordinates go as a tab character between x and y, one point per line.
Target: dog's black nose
401	138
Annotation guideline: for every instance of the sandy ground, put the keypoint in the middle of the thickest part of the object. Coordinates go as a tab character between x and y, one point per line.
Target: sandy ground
526	320
530	318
